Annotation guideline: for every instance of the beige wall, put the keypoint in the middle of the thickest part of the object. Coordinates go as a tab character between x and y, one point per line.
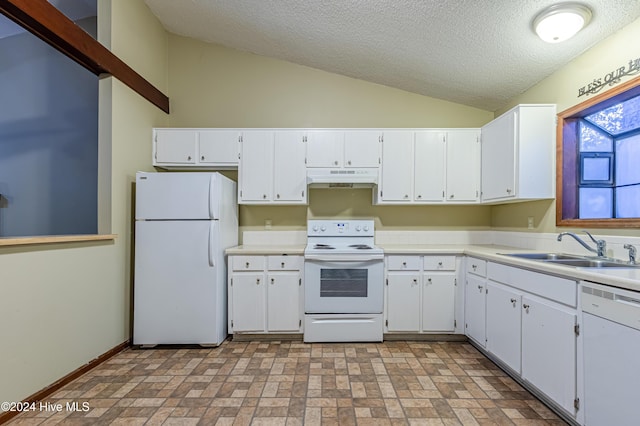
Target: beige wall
62	305
213	86
562	88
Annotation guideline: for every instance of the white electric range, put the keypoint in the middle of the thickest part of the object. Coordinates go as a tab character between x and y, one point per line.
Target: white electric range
344	276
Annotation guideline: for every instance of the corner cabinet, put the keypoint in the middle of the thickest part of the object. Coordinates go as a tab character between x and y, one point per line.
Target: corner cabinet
265	294
195	148
272	168
518	151
420	294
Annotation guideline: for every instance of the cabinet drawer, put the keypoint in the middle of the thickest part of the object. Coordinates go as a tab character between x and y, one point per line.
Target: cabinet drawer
284	263
439	263
248	263
403	263
476	266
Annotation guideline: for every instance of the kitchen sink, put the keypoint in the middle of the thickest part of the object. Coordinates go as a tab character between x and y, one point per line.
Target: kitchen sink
574	260
543	256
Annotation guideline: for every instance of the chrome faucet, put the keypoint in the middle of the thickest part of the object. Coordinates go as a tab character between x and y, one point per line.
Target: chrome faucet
601	245
632	252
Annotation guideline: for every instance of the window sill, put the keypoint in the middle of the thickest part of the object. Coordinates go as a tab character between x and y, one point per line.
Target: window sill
54	239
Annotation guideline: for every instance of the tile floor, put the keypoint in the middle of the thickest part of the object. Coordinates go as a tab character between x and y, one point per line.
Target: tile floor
292	383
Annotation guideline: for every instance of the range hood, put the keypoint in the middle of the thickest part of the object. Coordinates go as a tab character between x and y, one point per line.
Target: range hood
342	178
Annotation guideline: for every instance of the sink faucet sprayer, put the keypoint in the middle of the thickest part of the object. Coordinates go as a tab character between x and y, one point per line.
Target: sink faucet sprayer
601	245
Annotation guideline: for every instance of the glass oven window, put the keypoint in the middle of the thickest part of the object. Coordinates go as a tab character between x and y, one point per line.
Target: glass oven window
343	282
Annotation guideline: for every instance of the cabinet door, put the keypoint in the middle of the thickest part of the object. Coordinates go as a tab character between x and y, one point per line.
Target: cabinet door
429	166
549	349
255	181
463	166
283	302
325	148
362	148
289	171
403	302
218	147
175	146
397	166
438	302
247	302
504	324
498	158
475	309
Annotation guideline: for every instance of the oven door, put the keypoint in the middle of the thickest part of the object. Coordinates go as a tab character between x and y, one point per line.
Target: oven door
343	287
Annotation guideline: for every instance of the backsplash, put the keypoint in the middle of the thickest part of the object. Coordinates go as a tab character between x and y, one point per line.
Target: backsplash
525	240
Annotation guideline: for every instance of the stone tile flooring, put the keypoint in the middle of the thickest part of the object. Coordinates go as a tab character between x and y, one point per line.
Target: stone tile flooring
292	383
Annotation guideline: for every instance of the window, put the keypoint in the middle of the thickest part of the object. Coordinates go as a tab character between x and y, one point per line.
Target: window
598	177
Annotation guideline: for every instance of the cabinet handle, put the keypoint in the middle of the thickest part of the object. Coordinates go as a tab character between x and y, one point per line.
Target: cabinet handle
404	264
278	196
474	267
451	196
349	162
439	263
429	279
480	287
526	307
189	158
264	196
513	300
508	191
202	158
272	281
335	163
282	265
246	264
419	196
415	281
257	281
406	196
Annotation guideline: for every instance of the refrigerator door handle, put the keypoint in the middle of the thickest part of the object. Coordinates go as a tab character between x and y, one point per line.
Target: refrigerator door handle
211	195
211	261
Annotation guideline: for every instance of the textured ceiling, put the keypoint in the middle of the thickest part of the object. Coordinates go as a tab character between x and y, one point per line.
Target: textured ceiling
479	53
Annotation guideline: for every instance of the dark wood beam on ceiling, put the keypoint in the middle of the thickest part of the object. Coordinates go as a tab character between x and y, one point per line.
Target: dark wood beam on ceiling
49	24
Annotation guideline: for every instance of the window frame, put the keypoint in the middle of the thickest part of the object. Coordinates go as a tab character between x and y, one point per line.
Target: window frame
567	158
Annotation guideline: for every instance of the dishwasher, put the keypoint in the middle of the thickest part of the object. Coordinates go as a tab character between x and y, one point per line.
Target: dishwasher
611	339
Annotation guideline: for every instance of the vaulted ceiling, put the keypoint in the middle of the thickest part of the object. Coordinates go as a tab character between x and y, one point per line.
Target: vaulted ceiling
479	53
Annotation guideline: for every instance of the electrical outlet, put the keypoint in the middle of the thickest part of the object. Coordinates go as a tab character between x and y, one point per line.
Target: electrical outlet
530	222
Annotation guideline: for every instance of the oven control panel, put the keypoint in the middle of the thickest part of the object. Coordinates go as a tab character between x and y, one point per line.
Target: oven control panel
340	228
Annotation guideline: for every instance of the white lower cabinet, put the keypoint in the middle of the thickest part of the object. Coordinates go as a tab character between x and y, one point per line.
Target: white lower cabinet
475	290
265	294
549	349
420	294
530	325
504	324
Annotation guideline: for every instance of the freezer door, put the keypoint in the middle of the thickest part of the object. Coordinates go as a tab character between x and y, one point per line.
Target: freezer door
182	196
179	290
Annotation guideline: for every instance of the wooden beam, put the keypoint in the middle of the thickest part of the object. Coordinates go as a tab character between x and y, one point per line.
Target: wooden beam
49	24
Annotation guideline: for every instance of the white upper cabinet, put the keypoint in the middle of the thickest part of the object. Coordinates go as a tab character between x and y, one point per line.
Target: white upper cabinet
289	172
348	149
518	151
325	148
463	166
272	168
362	148
204	149
255	175
429	166
397	167
174	147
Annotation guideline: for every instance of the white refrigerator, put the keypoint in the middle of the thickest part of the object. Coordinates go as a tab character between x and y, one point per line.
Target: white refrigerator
184	222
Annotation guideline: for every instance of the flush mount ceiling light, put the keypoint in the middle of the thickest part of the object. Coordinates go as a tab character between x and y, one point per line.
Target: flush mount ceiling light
561	21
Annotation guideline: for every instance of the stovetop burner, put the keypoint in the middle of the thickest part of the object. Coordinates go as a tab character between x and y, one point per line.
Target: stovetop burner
323	247
361	246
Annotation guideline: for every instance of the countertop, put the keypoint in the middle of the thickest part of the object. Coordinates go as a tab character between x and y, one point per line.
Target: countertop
618	277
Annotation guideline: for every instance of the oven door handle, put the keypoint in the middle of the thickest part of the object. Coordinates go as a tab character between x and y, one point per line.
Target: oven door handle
344	258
